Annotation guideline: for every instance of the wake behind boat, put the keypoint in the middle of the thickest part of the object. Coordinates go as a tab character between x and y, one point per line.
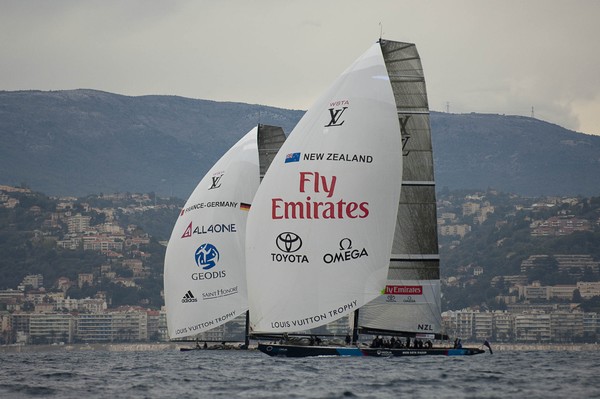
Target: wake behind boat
345	218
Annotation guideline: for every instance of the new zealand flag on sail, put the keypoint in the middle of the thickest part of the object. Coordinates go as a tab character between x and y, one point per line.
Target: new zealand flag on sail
293	157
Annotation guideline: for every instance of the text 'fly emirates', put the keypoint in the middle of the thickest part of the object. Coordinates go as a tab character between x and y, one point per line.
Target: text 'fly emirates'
314	182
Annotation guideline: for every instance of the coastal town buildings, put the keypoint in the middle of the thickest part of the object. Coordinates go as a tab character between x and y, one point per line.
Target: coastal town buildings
526	327
38	309
129	324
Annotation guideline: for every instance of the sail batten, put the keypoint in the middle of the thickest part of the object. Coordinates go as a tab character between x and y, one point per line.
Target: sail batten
409	257
405	78
407	111
399	49
418	183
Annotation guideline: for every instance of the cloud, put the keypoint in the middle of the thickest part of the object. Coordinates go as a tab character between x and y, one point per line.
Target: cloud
494	56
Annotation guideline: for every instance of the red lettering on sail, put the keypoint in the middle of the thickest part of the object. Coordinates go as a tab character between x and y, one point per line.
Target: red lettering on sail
404	290
314	182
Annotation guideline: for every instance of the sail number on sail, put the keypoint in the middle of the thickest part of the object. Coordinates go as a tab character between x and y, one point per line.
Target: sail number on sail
309	209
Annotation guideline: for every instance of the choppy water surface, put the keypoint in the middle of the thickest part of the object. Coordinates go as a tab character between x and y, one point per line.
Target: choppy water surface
241	374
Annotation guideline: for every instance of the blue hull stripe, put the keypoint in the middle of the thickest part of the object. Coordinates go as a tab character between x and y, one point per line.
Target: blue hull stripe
349	352
303	351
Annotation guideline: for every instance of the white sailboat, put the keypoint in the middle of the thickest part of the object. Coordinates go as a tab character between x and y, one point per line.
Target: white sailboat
204	272
345	217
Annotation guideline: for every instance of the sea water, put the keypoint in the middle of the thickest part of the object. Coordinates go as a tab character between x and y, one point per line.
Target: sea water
251	374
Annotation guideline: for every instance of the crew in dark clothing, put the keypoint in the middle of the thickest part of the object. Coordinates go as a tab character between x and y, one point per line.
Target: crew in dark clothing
377	342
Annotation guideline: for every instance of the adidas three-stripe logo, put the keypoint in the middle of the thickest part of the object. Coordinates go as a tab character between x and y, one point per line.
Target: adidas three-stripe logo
189	297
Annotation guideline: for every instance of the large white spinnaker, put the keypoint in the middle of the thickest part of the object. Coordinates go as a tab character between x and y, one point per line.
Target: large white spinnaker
205	274
320	230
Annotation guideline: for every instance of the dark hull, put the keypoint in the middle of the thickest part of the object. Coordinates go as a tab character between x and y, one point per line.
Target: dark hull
305	351
190	349
211	349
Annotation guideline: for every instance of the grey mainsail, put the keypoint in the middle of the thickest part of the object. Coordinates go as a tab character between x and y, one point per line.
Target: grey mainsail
411	301
270	140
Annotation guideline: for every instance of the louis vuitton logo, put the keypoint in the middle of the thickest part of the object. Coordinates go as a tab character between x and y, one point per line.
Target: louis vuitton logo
216	182
335	115
405	136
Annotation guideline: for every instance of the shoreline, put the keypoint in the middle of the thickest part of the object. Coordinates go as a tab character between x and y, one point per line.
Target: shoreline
110	347
172	346
508	347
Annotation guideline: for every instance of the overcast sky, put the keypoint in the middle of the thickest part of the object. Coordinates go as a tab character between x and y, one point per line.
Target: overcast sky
481	56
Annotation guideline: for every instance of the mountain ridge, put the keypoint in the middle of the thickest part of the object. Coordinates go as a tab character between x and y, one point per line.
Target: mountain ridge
515	154
77	142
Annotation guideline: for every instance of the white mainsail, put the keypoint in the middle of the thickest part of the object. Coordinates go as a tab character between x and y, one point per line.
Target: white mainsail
411	301
320	230
205	273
